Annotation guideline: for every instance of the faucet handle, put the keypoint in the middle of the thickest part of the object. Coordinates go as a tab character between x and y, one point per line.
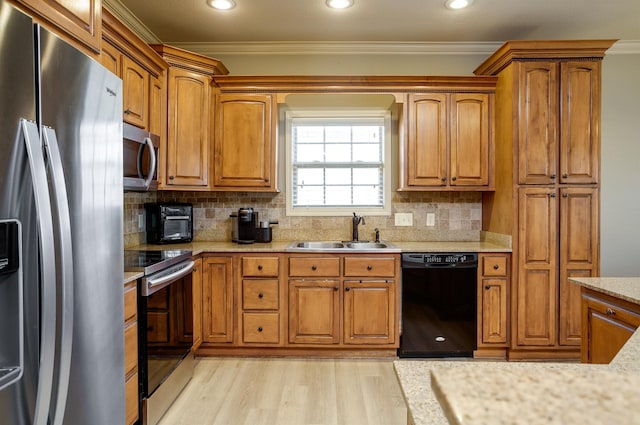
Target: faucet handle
377	235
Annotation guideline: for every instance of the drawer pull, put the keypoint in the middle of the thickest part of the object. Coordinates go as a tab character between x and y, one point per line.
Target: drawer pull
259	266
496	267
314	268
369	268
260	295
610	312
260	329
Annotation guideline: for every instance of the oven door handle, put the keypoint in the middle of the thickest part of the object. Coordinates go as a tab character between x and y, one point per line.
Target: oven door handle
154	285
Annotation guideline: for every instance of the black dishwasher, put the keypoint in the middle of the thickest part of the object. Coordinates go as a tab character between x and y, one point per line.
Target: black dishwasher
439	305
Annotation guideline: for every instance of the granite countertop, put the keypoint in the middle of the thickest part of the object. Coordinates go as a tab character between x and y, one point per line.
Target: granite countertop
280	246
486	392
131	276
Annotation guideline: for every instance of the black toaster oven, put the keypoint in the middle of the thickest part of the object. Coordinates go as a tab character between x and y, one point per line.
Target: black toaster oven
169	222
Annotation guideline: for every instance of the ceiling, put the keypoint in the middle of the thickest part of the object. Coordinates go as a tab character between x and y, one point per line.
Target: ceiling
401	21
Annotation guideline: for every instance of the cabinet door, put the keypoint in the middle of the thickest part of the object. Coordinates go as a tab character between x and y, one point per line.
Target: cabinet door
111	58
536	290
369	312
217	299
196	298
81	19
580	129
426	153
493	301
188	136
314	312
469	145
157	104
244	142
579	242
135	99
608	326
538	122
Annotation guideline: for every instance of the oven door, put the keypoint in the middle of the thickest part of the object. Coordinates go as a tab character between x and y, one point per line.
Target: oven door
165	338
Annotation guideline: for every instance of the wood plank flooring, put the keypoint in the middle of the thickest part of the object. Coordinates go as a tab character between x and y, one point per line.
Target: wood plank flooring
234	391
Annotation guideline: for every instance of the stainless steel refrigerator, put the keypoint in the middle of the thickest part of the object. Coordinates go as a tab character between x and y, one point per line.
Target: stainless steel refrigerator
61	248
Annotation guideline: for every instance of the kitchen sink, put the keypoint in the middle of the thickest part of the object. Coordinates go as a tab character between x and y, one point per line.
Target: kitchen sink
346	246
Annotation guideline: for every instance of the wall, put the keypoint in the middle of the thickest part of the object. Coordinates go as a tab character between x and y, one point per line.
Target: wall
620	194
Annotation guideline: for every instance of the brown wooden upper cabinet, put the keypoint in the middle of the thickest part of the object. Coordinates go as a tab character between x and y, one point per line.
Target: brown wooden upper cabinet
135	99
190	98
559	135
450	142
79	19
245	142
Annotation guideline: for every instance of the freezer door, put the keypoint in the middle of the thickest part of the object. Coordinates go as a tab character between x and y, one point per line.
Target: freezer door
82	102
17	100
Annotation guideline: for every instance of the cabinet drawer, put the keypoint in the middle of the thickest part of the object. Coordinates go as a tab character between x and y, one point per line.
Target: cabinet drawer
494	266
130	303
131	399
370	266
130	348
260	266
260	294
613	310
314	266
261	328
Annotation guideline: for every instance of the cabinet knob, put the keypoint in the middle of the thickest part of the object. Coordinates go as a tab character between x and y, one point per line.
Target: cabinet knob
496	267
487	287
610	312
553	195
259	266
347	289
127	111
444	179
171	177
335	288
454	178
194	269
369	268
565	176
314	268
260	295
552	176
260	329
266	180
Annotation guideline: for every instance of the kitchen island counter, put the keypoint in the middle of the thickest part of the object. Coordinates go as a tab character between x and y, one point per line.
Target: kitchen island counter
481	392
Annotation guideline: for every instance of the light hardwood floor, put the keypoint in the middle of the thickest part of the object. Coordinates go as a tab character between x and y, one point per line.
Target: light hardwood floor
290	392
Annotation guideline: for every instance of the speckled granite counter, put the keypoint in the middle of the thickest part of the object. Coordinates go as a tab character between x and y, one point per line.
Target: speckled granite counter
481	392
131	276
201	247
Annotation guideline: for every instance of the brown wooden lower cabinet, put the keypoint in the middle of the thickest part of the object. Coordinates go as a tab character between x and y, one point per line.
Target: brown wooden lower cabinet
217	299
131	351
369	312
494	278
314	311
607	324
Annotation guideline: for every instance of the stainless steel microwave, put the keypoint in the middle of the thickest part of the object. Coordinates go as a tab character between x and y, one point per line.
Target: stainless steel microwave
140	159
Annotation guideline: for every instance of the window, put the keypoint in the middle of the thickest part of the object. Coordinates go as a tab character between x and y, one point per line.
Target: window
338	162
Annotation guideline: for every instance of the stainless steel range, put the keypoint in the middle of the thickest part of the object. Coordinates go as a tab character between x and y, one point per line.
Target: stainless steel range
165	337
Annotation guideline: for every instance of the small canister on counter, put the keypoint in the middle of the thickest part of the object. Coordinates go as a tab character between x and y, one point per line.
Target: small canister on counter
263	232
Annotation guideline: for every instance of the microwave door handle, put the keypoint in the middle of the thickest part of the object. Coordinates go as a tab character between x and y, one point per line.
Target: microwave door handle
152	161
177	217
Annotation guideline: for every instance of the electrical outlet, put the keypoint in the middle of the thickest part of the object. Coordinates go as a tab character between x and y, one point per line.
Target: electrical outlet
140	222
404	219
431	219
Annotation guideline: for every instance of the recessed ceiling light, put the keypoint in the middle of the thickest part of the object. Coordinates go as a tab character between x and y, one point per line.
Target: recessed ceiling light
339	4
457	4
222	4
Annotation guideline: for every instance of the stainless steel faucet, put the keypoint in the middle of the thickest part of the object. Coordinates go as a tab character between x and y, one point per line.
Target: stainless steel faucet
356	220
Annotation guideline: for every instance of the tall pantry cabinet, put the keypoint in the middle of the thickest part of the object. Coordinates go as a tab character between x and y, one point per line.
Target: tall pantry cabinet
547	185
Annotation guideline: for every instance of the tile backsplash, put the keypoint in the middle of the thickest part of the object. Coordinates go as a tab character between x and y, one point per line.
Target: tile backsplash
458	216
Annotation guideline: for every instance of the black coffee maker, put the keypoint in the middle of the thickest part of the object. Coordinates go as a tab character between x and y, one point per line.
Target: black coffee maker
247	221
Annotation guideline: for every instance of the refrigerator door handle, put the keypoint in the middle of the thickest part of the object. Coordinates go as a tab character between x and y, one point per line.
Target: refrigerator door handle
46	245
152	161
61	205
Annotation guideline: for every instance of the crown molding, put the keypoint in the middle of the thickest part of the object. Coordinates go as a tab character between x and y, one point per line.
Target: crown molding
630	47
121	12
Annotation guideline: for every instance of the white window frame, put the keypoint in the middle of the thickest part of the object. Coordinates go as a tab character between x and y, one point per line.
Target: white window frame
385	209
